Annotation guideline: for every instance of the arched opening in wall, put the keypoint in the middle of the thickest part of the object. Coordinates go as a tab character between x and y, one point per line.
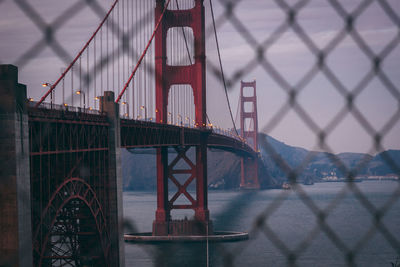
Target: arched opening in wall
182	182
248	91
181	4
181	109
180	46
74	238
248	107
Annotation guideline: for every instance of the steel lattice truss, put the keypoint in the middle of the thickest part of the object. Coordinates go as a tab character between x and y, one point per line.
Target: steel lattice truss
69	187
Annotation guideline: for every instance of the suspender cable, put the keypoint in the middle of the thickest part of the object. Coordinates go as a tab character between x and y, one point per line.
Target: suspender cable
144	53
108	61
175	44
145	62
129	52
72	86
76	58
126	33
220	65
113	54
94	70
184	37
118	50
80	79
87	76
237	110
169	58
101	62
150	57
171	44
136	49
132	57
140	74
63	89
122	39
190	60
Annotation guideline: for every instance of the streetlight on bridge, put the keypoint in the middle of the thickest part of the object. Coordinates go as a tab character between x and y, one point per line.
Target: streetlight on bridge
126	114
180	117
51	93
95	102
170	115
81	93
145	112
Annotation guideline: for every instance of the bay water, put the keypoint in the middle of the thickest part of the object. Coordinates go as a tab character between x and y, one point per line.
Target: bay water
325	224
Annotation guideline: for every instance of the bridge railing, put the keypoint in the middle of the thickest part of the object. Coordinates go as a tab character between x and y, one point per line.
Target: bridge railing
46	105
65	108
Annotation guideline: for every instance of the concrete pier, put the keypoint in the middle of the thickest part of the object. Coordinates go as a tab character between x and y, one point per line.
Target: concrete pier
108	106
216	237
15	201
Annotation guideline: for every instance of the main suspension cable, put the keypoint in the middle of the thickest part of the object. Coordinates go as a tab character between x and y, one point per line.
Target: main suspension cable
77	56
222	70
143	54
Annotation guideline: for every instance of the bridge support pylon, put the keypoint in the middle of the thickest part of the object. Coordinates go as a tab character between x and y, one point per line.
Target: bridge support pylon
15	186
249	131
111	109
166	76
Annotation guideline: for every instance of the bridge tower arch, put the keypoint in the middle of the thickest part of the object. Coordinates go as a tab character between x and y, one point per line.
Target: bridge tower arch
72	229
167	76
248	118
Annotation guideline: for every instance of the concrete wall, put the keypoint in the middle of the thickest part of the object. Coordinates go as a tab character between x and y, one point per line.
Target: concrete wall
15	190
111	108
15	202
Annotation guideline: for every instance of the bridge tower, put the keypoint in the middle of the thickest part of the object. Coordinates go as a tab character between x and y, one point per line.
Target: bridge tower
248	118
166	76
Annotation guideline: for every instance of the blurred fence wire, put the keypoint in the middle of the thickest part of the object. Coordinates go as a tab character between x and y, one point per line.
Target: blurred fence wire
293	9
230	14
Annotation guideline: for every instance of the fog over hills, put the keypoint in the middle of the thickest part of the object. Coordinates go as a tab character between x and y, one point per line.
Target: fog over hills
139	165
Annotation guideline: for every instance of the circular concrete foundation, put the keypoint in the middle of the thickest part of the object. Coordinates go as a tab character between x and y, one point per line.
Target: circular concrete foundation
219	236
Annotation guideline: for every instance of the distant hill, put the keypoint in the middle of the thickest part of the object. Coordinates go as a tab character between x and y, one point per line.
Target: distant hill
385	163
139	166
316	165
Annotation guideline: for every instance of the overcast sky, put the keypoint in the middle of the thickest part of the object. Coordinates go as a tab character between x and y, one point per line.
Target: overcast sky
319	98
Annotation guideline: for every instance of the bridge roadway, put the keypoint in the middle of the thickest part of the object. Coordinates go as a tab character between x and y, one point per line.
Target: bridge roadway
134	133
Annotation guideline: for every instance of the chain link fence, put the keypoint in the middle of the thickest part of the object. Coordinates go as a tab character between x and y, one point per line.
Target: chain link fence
259	40
321	57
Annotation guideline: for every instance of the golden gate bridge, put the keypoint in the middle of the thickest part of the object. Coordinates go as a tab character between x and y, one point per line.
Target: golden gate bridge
66	152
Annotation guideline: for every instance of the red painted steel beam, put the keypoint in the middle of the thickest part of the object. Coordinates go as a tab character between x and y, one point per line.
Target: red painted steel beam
167	76
249	166
42	153
145	133
183	207
61	121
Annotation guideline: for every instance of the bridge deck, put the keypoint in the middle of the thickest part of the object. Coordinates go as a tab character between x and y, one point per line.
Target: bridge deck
135	133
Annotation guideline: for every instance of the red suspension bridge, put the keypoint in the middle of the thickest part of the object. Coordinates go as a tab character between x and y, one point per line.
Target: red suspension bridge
111	97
